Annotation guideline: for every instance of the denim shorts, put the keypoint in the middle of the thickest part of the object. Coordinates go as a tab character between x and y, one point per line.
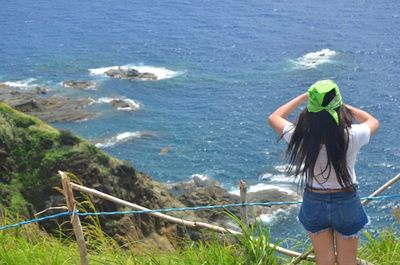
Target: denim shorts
340	211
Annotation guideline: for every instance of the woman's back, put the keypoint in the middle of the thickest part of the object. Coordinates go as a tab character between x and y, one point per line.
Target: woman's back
322	149
358	136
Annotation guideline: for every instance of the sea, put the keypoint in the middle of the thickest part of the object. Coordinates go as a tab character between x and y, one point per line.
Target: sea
222	67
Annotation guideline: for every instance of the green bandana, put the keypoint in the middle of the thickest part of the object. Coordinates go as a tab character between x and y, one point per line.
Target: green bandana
316	94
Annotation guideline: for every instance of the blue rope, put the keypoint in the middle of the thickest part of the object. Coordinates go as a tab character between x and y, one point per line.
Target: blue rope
197	208
34	220
207	207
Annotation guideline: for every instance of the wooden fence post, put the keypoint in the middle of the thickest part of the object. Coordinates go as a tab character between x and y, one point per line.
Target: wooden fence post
76	222
243	199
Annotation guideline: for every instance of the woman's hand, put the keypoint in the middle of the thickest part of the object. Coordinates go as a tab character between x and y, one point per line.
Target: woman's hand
278	118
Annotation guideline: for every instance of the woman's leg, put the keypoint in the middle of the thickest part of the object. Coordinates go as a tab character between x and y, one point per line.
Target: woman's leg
346	249
323	246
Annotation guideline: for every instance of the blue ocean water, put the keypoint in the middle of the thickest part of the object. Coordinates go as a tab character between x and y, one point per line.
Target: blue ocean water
232	63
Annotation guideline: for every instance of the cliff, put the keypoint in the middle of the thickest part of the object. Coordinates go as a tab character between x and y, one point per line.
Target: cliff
32	152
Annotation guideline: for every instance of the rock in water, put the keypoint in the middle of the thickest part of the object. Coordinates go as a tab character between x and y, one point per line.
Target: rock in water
164	151
123	104
130	73
27	106
82	85
148	76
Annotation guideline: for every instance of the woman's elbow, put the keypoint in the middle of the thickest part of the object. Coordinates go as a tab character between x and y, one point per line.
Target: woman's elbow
271	119
374	125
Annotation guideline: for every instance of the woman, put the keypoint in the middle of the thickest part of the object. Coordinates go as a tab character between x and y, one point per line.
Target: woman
322	149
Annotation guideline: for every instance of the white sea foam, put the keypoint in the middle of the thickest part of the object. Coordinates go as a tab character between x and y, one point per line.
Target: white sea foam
263	186
120	138
277	215
200	177
313	59
277	175
23	84
271	218
160	72
128	104
276	178
203	180
281	168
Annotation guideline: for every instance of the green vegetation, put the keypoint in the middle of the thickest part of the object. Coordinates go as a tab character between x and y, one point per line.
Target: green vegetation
383	250
31	153
30	245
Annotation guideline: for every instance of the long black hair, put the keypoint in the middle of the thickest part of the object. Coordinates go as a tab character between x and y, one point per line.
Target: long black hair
313	130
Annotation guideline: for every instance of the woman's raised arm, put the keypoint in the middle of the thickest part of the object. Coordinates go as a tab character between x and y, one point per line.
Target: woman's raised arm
364	117
278	118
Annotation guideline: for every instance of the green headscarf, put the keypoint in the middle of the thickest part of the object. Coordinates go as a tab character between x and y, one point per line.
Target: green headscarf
316	94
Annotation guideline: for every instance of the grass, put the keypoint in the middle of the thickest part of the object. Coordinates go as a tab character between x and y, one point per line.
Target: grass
28	245
382	250
31	245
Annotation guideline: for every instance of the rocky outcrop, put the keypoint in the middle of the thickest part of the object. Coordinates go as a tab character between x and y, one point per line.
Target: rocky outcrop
130	73
202	191
81	85
50	108
124	104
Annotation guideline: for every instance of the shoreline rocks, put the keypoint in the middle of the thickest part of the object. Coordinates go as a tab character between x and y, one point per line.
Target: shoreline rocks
202	191
49	108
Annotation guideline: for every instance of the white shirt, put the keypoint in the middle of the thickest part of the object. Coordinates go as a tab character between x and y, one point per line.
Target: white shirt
359	135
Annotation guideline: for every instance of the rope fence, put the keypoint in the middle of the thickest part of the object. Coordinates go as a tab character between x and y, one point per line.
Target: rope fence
74	214
181	209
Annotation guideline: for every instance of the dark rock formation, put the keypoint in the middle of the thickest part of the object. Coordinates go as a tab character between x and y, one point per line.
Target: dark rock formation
124	104
202	192
130	73
49	108
82	85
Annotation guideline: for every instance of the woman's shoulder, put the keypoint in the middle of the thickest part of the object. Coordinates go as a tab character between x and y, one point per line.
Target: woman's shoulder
359	134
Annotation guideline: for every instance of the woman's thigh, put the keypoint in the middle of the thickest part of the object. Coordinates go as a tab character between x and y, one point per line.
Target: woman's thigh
346	248
323	244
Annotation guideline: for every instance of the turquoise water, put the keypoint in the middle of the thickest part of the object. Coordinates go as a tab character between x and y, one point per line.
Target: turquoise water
226	65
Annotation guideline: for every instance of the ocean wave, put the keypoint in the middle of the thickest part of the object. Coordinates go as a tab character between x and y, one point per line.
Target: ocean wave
313	59
383	164
125	104
278	215
121	138
200	177
203	180
23	84
281	168
276	178
263	186
160	72
277	175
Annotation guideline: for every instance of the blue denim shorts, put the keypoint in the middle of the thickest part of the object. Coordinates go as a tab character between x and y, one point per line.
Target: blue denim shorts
340	211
